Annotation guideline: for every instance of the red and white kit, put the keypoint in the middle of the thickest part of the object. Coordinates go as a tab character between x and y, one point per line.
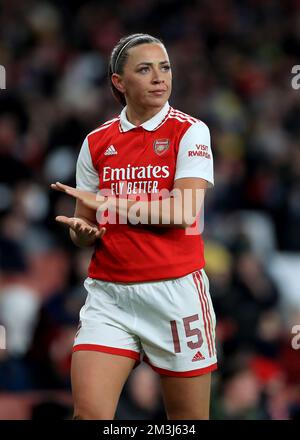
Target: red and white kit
147	290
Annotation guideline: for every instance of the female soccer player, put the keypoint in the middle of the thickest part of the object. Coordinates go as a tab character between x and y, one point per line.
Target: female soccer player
148	295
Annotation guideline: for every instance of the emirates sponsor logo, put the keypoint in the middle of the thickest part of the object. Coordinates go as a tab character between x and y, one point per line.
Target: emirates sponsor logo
161	146
198	357
131	173
110	151
135	180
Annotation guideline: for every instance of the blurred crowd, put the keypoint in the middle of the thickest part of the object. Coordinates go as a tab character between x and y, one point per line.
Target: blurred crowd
232	62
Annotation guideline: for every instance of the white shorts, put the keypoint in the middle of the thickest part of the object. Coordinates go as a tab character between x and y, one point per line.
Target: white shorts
168	324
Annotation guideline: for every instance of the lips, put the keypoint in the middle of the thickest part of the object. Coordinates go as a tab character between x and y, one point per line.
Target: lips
157	92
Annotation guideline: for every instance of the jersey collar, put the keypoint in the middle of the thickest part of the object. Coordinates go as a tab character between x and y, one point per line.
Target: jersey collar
150	125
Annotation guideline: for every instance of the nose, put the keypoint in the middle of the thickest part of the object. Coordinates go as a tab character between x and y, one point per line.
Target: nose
157	80
157	77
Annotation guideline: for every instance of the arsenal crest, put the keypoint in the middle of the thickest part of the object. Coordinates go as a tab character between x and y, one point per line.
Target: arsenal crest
161	146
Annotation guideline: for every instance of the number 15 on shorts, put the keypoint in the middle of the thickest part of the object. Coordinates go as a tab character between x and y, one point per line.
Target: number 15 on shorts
188	332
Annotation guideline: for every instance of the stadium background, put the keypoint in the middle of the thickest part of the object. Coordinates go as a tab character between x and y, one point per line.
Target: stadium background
232	64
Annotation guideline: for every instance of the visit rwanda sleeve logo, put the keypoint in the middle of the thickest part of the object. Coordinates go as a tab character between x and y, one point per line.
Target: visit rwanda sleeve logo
200	151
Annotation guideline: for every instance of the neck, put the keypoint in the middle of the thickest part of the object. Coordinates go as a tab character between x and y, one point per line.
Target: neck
138	116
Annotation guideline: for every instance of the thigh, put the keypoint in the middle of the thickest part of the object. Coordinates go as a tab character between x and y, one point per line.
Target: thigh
97	381
105	324
186	397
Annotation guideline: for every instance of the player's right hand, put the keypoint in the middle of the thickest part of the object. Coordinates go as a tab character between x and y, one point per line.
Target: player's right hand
85	231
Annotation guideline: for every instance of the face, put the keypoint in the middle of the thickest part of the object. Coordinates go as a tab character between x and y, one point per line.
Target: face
147	79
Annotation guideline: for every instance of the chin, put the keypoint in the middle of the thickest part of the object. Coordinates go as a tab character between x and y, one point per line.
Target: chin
158	101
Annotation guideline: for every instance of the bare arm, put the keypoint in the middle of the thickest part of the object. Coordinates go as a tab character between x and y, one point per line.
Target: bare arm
180	209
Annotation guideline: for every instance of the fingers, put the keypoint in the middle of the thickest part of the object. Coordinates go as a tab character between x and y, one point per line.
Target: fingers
101	232
90	232
73	192
89	199
76	193
61	187
71	222
80	227
63	219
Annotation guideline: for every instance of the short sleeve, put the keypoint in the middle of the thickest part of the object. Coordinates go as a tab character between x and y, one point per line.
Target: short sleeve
194	157
87	177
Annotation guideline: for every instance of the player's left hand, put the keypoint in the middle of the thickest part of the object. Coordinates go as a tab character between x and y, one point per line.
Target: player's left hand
92	200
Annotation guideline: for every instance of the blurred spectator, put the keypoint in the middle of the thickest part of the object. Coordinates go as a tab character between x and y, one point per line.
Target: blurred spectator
19	307
51	410
240	399
141	398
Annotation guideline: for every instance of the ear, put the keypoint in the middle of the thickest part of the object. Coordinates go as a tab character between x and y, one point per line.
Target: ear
118	82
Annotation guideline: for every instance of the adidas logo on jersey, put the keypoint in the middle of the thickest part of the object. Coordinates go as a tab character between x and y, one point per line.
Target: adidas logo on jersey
110	151
198	357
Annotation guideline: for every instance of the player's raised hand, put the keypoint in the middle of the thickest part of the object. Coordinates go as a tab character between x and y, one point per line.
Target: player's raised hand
86	231
91	200
74	192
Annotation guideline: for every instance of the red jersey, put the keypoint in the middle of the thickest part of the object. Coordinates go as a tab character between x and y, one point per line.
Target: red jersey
126	159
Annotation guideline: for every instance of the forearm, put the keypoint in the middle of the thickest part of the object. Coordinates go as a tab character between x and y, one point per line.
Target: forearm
169	212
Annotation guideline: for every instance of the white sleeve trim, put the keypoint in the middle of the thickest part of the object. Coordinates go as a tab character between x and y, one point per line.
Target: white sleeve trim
87	177
194	157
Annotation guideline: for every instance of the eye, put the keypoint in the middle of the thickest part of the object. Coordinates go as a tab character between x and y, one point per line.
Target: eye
144	69
166	68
